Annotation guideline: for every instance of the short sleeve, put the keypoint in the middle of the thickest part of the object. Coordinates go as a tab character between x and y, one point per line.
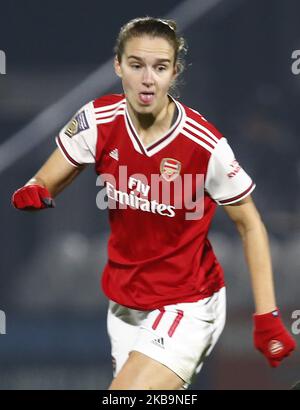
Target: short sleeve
226	181
77	140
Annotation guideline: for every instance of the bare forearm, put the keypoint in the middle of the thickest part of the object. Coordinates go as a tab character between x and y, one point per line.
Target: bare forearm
257	253
55	174
54	187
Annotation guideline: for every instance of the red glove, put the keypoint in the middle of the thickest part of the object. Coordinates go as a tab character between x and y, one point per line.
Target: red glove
271	337
32	197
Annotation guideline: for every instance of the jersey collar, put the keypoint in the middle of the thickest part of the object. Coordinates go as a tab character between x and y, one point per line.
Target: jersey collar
163	141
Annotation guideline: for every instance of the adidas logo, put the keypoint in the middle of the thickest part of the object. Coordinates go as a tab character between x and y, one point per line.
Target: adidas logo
114	154
159	342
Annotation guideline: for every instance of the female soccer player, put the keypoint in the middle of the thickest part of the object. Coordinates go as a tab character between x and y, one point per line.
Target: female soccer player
165	168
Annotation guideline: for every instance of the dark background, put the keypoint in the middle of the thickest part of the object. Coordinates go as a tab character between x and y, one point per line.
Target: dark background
239	77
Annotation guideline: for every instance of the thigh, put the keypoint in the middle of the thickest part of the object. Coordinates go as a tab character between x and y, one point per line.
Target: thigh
141	372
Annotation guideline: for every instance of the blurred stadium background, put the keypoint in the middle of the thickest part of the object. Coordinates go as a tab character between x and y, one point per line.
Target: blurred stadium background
239	76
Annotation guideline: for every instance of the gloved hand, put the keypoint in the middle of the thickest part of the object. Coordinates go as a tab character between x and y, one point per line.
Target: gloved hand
32	197
271	337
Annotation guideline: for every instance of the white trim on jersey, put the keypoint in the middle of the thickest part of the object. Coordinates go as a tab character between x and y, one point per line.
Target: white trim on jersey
226	181
80	148
197	140
65	153
200	134
179	124
163	141
106	114
203	137
109	113
239	197
110	119
202	128
109	107
131	136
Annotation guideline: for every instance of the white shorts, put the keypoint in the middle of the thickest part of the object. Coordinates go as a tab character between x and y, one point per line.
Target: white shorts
179	336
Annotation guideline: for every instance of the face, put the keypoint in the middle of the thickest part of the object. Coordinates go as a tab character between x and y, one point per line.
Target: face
147	72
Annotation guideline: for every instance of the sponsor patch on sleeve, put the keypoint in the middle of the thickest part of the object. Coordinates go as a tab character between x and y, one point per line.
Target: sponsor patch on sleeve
234	168
77	124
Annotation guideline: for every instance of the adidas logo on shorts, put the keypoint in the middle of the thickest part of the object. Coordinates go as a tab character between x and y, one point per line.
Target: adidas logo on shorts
159	342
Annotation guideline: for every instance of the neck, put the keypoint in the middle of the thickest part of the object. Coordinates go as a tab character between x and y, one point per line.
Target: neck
143	122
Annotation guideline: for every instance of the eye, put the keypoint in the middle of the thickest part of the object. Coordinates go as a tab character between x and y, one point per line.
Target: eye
161	68
135	66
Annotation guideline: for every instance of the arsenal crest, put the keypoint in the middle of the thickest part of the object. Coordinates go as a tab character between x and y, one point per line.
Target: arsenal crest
170	169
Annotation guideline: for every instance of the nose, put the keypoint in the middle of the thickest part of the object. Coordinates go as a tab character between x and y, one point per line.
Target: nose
147	77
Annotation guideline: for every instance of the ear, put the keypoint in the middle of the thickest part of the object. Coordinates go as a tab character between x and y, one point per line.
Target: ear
176	72
117	67
175	75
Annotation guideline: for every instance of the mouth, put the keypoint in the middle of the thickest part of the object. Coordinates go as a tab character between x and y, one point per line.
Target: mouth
146	97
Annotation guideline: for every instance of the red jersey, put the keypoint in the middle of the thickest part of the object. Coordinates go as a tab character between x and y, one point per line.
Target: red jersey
162	200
